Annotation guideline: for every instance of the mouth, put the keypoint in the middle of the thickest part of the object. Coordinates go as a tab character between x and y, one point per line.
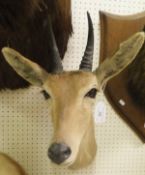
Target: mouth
67	163
64	164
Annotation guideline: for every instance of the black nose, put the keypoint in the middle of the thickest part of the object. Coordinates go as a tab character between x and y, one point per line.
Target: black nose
59	152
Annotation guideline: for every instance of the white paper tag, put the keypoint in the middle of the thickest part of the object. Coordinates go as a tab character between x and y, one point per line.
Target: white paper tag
122	102
100	112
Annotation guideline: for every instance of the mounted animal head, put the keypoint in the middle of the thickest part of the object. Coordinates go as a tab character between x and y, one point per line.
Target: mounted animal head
72	95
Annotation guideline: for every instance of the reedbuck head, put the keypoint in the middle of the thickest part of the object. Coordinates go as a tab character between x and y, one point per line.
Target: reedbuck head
72	95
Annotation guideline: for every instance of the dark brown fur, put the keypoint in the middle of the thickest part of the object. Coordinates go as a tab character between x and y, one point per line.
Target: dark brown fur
136	78
23	26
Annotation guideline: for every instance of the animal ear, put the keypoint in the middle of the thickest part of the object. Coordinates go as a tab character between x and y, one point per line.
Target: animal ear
128	50
27	69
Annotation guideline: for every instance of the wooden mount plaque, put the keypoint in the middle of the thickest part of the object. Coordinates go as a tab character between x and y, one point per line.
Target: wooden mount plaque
114	30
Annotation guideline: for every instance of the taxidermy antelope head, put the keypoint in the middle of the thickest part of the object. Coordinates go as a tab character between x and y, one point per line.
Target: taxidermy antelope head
72	95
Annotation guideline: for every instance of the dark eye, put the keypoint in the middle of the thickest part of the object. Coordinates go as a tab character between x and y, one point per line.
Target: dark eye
45	94
92	93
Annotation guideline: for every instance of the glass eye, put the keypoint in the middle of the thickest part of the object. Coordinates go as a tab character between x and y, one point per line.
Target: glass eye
92	93
45	94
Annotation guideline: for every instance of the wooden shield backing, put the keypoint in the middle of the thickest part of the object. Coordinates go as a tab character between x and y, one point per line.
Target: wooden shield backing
114	30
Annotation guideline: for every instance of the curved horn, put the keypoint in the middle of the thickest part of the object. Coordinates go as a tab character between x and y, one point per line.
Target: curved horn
55	56
86	63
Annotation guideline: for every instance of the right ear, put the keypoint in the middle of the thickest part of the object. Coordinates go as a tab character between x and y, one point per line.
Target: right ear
27	69
126	53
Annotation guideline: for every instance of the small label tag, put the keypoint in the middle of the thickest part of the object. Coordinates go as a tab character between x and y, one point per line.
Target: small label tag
122	102
100	112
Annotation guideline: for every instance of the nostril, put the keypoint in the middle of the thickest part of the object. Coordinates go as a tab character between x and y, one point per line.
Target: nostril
58	153
67	151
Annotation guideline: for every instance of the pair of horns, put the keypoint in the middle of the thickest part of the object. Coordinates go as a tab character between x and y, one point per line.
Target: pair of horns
87	59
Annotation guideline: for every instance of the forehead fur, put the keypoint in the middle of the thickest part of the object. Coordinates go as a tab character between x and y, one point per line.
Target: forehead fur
72	80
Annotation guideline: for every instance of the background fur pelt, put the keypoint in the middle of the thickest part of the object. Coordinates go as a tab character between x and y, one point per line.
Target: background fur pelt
23	26
136	78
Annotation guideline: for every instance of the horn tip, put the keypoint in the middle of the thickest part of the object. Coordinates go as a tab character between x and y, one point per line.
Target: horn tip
88	14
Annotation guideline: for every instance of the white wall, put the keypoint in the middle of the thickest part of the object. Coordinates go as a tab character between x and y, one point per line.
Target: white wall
25	127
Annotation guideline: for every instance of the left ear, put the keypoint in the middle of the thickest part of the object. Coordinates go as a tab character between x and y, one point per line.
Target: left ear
27	69
120	60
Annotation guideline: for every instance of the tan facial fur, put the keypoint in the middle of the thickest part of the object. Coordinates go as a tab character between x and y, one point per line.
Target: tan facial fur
9	166
71	109
72	114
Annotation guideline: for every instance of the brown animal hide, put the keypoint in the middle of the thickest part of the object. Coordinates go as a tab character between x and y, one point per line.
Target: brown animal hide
24	26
